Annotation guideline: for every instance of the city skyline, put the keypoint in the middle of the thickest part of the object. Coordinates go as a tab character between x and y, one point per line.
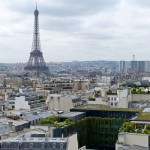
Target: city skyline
76	30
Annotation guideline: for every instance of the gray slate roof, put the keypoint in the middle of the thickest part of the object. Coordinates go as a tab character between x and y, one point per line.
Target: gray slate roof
36	115
133	148
5	128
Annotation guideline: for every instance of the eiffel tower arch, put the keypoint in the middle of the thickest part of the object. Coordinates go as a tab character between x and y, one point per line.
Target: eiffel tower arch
36	64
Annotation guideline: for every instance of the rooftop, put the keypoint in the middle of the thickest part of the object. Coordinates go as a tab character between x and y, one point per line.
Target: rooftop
29	116
143	116
133	147
146	110
17	122
71	114
27	137
103	107
36	139
5	128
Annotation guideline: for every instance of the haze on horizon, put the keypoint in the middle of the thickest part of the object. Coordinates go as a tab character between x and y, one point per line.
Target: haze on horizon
76	29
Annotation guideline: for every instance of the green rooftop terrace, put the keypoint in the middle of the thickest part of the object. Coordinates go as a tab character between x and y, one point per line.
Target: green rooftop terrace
135	128
143	116
107	108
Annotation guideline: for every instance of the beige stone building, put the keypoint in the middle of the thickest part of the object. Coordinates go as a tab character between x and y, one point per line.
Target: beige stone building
14	83
62	102
133	141
80	85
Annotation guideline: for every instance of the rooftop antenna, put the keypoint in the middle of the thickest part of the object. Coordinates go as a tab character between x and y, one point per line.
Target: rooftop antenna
133	57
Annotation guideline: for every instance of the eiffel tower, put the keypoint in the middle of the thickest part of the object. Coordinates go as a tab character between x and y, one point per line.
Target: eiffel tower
36	63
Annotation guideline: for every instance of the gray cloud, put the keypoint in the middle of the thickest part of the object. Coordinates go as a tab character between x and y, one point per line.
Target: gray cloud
141	3
76	29
63	8
61	24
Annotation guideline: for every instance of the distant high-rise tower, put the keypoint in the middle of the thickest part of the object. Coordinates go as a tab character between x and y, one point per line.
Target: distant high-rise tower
36	63
122	67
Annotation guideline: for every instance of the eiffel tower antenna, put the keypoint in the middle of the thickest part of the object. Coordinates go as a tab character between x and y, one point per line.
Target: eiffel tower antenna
36	5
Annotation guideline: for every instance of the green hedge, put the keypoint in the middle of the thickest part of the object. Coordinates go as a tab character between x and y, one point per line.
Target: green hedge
50	120
91	99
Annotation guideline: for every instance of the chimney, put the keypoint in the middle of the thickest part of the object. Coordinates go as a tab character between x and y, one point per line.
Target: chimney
46	138
23	138
62	135
50	130
10	124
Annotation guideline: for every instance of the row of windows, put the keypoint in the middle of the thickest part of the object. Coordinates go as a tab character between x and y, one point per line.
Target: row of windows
113	103
11	102
112	98
32	145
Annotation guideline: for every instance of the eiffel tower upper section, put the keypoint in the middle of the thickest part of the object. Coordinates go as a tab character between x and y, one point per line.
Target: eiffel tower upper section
36	63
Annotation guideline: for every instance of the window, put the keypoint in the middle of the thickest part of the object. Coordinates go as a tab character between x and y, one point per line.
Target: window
5	145
31	145
11	102
61	145
54	145
42	145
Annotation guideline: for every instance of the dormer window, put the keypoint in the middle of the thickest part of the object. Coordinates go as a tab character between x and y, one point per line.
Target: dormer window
31	145
54	145
61	145
42	145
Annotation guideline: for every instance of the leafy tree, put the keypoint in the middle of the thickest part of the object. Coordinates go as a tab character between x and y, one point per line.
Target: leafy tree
139	131
148	127
129	128
69	121
91	99
40	97
50	120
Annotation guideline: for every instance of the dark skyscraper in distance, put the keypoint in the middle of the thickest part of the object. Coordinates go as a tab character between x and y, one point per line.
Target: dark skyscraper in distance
36	63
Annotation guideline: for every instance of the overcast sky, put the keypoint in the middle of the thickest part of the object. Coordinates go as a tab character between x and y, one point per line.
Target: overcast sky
76	29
